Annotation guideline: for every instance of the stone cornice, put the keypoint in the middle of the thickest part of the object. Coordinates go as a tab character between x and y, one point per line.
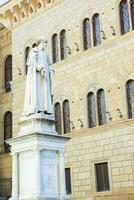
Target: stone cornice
14	12
113	127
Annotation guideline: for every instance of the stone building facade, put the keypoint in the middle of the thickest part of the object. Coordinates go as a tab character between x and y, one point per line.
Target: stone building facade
92	51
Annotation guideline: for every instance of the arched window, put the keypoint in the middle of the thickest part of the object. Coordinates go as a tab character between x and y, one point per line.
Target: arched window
7	130
63	48
96	29
8	73
101	104
66	117
55	50
130	98
27	50
132	12
58	118
124	17
91	109
87	34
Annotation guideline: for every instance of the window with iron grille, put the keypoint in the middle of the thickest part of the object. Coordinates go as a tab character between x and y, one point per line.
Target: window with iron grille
96	29
68	180
27	50
87	34
58	123
91	110
124	17
8	73
132	12
7	130
130	98
101	105
66	117
102	177
63	47
55	50
96	108
5	188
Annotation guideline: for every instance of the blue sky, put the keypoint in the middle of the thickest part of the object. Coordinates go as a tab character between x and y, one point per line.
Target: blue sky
3	1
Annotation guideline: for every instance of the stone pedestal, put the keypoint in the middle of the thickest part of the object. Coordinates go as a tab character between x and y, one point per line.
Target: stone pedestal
38	160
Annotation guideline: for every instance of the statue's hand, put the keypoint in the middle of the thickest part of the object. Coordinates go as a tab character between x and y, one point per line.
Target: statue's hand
38	68
43	72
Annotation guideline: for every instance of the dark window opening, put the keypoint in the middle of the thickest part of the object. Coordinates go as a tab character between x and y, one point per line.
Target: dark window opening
8	73
58	124
101	104
68	180
102	177
91	110
7	130
5	188
132	12
66	117
87	34
130	98
124	17
63	47
55	50
96	30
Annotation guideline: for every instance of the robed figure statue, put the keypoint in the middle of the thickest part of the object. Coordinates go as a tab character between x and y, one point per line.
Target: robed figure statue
39	89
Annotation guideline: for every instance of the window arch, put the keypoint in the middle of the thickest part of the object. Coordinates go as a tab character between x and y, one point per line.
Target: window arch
55	50
8	73
63	48
66	117
130	98
96	29
101	105
27	50
87	34
58	124
7	130
124	17
91	109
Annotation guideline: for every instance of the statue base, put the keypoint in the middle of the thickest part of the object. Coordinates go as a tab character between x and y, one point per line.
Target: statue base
38	160
37	123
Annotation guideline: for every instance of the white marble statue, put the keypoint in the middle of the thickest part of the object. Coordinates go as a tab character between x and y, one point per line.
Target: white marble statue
38	93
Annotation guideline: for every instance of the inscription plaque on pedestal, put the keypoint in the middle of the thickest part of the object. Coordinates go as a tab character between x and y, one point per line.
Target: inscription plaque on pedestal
49	171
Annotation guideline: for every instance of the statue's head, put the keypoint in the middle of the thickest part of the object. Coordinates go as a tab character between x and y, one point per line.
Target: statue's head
42	42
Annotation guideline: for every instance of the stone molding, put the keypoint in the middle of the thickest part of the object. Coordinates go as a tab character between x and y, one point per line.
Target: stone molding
15	12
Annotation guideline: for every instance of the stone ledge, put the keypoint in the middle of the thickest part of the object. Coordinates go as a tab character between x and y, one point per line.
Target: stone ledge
122	124
40	140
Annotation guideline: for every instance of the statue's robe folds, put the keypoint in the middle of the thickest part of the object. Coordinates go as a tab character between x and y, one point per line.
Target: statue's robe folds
38	94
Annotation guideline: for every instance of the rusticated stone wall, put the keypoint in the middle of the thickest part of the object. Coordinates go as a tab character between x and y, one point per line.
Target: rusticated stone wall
106	66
